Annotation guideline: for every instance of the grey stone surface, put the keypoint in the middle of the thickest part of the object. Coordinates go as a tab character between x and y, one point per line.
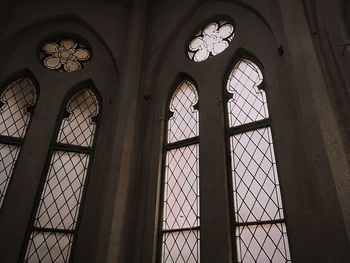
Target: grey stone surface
139	54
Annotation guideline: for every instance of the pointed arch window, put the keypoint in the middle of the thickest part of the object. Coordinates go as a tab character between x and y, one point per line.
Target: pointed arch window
179	235
57	212
17	101
259	222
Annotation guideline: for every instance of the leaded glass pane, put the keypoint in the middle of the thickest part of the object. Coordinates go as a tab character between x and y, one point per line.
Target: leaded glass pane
184	121
14	102
210	41
181	247
255	180
267	243
64	55
248	103
49	247
181	190
61	197
8	157
79	128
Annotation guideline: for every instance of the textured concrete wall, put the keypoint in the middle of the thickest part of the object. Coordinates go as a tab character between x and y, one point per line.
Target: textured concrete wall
331	35
27	25
139	54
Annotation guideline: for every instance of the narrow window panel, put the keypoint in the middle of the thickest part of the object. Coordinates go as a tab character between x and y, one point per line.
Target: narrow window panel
57	213
79	128
180	201
15	101
248	103
184	121
181	247
255	180
49	247
61	197
259	219
8	157
181	191
262	243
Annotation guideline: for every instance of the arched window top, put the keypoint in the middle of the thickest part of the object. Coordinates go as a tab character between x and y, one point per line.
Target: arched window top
78	128
183	123
211	40
16	101
248	102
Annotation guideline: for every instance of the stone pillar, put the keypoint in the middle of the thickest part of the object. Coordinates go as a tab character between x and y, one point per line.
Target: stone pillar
127	133
326	169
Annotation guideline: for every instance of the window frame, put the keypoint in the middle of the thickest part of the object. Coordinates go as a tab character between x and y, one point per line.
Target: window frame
17	141
182	77
239	55
56	146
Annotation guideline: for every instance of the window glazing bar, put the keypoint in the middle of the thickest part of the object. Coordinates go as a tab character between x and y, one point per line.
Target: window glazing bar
183	143
11	140
72	148
250	126
53	230
277	221
181	229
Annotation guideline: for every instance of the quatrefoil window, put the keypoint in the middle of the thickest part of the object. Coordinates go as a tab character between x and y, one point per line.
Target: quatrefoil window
64	55
211	40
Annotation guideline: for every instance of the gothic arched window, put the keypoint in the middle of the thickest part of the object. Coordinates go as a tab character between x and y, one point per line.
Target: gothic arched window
259	222
17	101
179	237
57	211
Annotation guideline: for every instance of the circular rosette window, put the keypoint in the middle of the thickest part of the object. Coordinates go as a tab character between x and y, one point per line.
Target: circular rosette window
64	55
210	41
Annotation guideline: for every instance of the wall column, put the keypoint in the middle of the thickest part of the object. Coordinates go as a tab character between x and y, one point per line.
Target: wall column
324	170
125	151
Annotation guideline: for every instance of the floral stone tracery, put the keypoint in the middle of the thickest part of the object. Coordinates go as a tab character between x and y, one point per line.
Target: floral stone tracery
213	39
65	55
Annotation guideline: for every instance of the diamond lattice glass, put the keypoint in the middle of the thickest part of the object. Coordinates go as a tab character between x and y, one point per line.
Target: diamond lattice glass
181	191
261	235
184	122
15	101
262	243
57	214
248	103
180	225
181	247
255	181
60	200
49	247
78	128
8	157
